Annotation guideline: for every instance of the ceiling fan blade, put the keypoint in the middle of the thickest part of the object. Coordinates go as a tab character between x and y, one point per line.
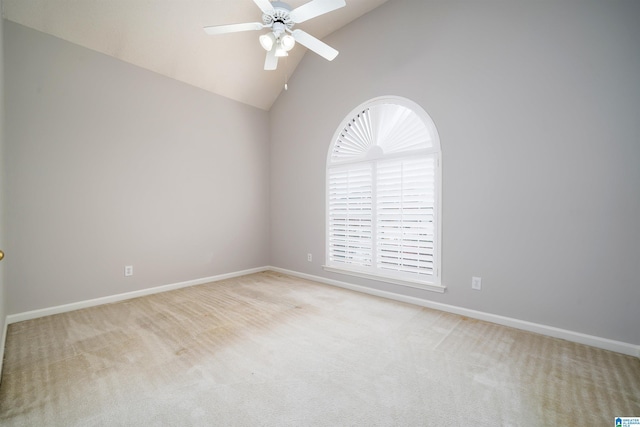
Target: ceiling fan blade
233	28
314	8
265	6
312	43
271	62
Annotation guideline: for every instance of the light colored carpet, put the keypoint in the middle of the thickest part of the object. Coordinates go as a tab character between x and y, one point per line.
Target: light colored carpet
273	350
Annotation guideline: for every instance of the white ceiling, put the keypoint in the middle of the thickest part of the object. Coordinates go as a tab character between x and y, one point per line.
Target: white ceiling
166	36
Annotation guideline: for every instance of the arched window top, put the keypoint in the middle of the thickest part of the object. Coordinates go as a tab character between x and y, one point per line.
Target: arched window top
383	127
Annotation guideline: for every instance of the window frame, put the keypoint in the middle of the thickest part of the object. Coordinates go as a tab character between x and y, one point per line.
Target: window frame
430	282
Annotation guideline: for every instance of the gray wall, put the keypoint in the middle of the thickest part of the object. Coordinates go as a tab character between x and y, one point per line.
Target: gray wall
538	108
111	165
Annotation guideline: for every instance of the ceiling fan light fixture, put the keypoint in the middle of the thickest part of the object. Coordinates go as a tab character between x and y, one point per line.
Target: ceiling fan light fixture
287	42
267	41
281	51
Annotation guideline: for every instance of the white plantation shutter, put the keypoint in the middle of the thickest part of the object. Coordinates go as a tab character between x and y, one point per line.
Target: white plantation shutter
405	205
350	216
383	193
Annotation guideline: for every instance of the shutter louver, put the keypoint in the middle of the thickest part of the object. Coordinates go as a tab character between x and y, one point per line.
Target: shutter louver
355	139
400	129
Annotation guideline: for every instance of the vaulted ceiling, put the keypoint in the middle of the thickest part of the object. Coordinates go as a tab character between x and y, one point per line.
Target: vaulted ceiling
166	36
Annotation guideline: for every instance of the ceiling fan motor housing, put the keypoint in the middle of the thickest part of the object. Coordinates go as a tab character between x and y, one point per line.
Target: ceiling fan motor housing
280	15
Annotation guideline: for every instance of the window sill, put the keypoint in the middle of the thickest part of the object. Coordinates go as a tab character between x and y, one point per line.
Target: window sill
403	282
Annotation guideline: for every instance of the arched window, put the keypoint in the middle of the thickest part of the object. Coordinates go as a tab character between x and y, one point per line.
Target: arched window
383	195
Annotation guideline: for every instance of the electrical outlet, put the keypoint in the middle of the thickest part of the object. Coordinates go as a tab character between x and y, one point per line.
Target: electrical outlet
128	270
309	257
476	283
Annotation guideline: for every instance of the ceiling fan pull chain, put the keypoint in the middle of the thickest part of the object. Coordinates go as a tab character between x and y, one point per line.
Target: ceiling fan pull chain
285	73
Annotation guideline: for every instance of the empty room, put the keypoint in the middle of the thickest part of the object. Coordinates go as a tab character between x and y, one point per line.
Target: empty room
320	213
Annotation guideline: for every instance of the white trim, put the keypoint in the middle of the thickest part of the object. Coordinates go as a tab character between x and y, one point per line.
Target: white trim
403	282
577	337
34	314
2	344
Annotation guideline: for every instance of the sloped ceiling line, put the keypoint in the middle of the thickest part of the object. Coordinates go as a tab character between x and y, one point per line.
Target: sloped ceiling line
166	36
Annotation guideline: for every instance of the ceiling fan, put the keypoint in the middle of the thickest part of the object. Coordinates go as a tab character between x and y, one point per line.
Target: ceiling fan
280	19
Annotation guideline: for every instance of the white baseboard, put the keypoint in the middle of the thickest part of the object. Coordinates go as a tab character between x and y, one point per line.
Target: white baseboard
604	343
34	314
2	344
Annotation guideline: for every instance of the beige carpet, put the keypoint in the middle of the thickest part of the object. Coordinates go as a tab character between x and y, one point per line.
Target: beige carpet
273	350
